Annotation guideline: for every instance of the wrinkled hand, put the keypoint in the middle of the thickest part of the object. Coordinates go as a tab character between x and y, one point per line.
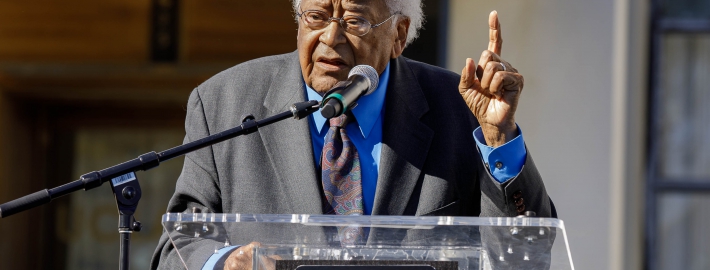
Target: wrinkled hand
492	89
242	259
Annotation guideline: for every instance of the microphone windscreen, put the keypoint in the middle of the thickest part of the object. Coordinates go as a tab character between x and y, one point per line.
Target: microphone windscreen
369	73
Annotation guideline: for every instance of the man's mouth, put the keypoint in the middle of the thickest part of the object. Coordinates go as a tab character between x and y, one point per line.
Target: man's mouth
334	64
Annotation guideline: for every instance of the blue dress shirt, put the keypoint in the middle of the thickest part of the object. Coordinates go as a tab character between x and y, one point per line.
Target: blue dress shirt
504	162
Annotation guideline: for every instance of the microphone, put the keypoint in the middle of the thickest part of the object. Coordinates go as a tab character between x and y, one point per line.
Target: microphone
362	80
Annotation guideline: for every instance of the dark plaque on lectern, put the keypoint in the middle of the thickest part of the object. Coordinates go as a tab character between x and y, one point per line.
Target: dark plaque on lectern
365	264
367	267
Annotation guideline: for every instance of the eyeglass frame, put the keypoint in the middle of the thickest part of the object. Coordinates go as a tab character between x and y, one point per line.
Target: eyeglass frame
341	21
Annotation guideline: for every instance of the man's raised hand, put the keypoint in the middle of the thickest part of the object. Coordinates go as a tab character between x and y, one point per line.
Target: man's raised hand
492	89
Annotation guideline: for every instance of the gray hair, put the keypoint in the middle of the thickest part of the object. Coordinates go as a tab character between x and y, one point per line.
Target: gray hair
411	9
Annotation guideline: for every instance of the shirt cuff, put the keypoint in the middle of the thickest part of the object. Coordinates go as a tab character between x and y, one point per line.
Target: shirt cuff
505	161
218	257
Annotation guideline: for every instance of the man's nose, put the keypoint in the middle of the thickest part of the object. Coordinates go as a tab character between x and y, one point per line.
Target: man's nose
333	34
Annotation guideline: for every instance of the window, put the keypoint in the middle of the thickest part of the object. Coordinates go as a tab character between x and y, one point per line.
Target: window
679	161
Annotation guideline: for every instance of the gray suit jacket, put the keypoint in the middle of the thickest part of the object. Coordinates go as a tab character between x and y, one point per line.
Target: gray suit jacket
429	163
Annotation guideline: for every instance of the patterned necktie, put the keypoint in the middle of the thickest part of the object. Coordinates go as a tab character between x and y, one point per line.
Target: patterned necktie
341	171
342	178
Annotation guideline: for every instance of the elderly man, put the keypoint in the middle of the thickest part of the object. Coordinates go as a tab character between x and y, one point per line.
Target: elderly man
411	147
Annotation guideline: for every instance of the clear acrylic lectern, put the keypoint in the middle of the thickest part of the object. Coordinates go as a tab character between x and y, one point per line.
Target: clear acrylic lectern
398	242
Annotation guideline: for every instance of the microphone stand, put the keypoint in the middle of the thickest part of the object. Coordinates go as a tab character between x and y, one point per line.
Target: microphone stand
124	183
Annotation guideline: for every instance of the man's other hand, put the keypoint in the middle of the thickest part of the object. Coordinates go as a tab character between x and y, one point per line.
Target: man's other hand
242	259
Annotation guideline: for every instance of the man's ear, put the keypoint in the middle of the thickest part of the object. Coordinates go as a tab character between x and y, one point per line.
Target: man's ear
401	37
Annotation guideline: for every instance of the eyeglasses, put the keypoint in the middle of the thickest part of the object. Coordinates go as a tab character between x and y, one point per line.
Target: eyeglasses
355	25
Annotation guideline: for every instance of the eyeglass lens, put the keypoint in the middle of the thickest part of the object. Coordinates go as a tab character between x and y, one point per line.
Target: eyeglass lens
352	24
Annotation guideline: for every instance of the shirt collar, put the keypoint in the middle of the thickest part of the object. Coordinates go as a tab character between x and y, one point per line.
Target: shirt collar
366	112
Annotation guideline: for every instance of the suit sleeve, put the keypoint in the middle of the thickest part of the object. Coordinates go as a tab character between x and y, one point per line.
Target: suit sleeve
197	186
525	192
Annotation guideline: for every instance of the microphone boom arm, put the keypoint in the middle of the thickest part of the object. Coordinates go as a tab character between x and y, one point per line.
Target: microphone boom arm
150	160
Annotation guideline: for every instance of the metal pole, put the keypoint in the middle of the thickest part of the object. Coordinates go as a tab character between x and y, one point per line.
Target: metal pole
124	257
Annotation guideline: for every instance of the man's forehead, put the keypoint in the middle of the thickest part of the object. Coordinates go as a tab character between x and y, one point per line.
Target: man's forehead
351	5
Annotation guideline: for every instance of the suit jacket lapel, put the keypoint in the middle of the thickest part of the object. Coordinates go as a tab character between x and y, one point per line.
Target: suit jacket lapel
288	142
405	141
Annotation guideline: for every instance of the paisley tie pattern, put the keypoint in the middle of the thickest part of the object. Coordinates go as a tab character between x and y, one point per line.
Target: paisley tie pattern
342	178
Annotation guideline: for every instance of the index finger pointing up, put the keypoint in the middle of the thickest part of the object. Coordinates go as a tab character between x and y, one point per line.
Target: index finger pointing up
495	41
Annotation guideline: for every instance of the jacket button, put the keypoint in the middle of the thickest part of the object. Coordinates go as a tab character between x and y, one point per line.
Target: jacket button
520	209
519	202
518	194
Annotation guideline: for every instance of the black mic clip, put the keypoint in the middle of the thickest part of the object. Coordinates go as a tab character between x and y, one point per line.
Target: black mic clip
302	109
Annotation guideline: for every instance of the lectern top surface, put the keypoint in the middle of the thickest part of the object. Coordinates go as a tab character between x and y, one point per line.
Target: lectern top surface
371	221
